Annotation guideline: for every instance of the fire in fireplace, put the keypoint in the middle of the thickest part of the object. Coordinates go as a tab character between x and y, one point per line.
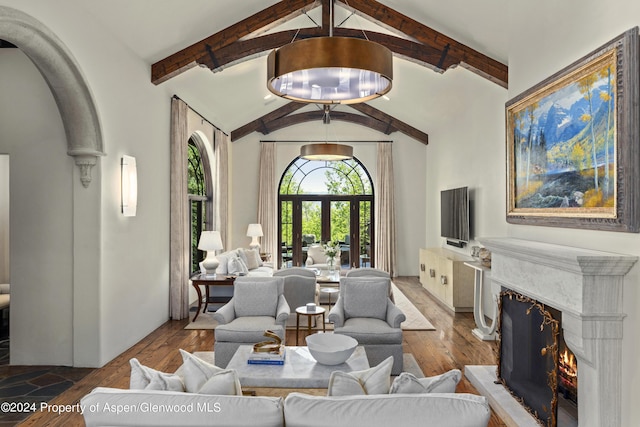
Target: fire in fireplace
534	363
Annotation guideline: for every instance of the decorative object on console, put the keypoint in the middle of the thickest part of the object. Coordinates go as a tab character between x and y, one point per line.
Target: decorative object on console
254	231
210	241
129	190
330	70
588	175
485	257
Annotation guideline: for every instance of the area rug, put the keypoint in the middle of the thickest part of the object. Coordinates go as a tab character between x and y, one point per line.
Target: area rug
415	319
409	362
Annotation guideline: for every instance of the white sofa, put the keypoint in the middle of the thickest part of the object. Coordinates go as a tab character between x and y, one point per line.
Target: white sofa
263	269
116	407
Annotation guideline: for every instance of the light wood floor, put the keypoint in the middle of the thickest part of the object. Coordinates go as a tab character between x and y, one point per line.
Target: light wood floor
450	346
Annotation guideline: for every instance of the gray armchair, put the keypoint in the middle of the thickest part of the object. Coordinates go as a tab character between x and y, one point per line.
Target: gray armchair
365	312
258	304
295	271
370	272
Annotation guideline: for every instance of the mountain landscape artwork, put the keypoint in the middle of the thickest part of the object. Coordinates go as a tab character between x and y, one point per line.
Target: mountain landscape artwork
564	144
573	158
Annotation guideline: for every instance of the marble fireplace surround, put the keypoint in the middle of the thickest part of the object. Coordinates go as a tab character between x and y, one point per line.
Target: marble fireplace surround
587	287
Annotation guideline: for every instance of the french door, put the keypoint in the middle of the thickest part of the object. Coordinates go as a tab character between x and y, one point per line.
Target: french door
317	219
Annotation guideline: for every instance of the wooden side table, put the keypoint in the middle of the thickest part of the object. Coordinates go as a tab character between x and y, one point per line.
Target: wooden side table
310	315
206	281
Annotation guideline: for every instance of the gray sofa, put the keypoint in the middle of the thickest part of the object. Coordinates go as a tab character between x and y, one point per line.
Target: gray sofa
115	407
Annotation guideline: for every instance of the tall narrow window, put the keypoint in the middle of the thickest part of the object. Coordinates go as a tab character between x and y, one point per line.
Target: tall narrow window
326	201
198	202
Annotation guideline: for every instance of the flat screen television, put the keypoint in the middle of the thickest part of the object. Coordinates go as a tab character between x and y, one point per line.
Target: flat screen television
454	216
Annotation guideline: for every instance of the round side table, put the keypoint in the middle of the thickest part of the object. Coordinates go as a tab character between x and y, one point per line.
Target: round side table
302	311
329	291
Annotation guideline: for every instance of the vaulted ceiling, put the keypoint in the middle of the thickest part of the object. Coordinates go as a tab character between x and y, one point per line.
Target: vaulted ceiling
213	53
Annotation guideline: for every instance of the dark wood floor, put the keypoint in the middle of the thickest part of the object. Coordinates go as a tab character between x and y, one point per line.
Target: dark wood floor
450	346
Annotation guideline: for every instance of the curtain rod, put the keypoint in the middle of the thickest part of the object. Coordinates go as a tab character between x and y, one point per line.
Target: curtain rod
201	116
342	141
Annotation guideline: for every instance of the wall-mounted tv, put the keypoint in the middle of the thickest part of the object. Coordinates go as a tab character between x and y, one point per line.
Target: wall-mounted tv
454	216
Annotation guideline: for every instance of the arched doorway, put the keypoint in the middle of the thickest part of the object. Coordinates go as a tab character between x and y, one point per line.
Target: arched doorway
319	202
76	340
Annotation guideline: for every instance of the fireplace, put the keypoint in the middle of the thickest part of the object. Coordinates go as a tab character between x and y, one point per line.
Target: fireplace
534	363
586	288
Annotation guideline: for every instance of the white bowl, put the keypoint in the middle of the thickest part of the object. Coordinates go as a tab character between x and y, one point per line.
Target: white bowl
331	349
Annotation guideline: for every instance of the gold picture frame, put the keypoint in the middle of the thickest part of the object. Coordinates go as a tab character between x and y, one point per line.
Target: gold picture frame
573	156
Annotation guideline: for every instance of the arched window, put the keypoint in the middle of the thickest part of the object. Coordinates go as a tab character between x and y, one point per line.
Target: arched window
198	200
326	201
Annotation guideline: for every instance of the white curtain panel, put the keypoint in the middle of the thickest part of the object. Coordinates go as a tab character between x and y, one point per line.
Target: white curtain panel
179	252
267	198
221	186
385	217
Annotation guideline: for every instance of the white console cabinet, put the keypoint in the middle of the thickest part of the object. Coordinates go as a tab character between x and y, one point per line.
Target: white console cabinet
444	275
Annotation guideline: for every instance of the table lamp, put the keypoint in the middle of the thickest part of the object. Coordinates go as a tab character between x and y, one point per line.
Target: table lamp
210	241
254	231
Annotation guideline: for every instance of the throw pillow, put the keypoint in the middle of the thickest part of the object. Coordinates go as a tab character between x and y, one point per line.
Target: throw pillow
243	256
409	383
145	378
202	377
253	258
237	266
365	297
374	380
223	260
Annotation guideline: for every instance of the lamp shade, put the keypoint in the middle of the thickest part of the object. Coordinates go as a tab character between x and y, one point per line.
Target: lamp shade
330	70
210	241
328	152
254	230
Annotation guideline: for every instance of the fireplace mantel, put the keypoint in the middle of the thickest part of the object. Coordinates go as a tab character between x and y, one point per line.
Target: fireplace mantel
587	287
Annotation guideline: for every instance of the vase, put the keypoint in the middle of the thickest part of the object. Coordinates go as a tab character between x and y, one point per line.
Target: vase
330	262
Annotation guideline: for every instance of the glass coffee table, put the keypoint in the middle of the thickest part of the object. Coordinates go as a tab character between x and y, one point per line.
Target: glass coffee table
300	369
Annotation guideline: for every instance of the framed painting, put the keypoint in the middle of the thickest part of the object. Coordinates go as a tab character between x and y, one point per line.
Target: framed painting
573	153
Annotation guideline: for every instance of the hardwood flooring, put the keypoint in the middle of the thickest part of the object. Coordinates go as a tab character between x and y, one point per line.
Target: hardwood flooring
450	346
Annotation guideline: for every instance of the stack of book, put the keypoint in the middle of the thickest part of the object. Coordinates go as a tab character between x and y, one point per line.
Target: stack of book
267	358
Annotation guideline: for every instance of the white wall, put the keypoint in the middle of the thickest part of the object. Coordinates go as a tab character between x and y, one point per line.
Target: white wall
571	30
132	256
409	170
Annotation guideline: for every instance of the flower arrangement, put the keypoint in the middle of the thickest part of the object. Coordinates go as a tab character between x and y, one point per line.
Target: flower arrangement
331	248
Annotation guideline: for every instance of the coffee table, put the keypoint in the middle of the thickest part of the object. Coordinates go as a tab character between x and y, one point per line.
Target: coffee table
300	369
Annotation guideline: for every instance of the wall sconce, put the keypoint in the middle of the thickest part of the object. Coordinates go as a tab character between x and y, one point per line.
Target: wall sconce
129	186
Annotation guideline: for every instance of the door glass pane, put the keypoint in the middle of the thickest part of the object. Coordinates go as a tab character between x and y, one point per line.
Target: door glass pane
311	225
341	230
286	253
365	234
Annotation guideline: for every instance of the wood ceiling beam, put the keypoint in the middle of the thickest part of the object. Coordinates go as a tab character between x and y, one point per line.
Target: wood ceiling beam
392	121
461	54
313	116
259	123
243	50
264	20
372	118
